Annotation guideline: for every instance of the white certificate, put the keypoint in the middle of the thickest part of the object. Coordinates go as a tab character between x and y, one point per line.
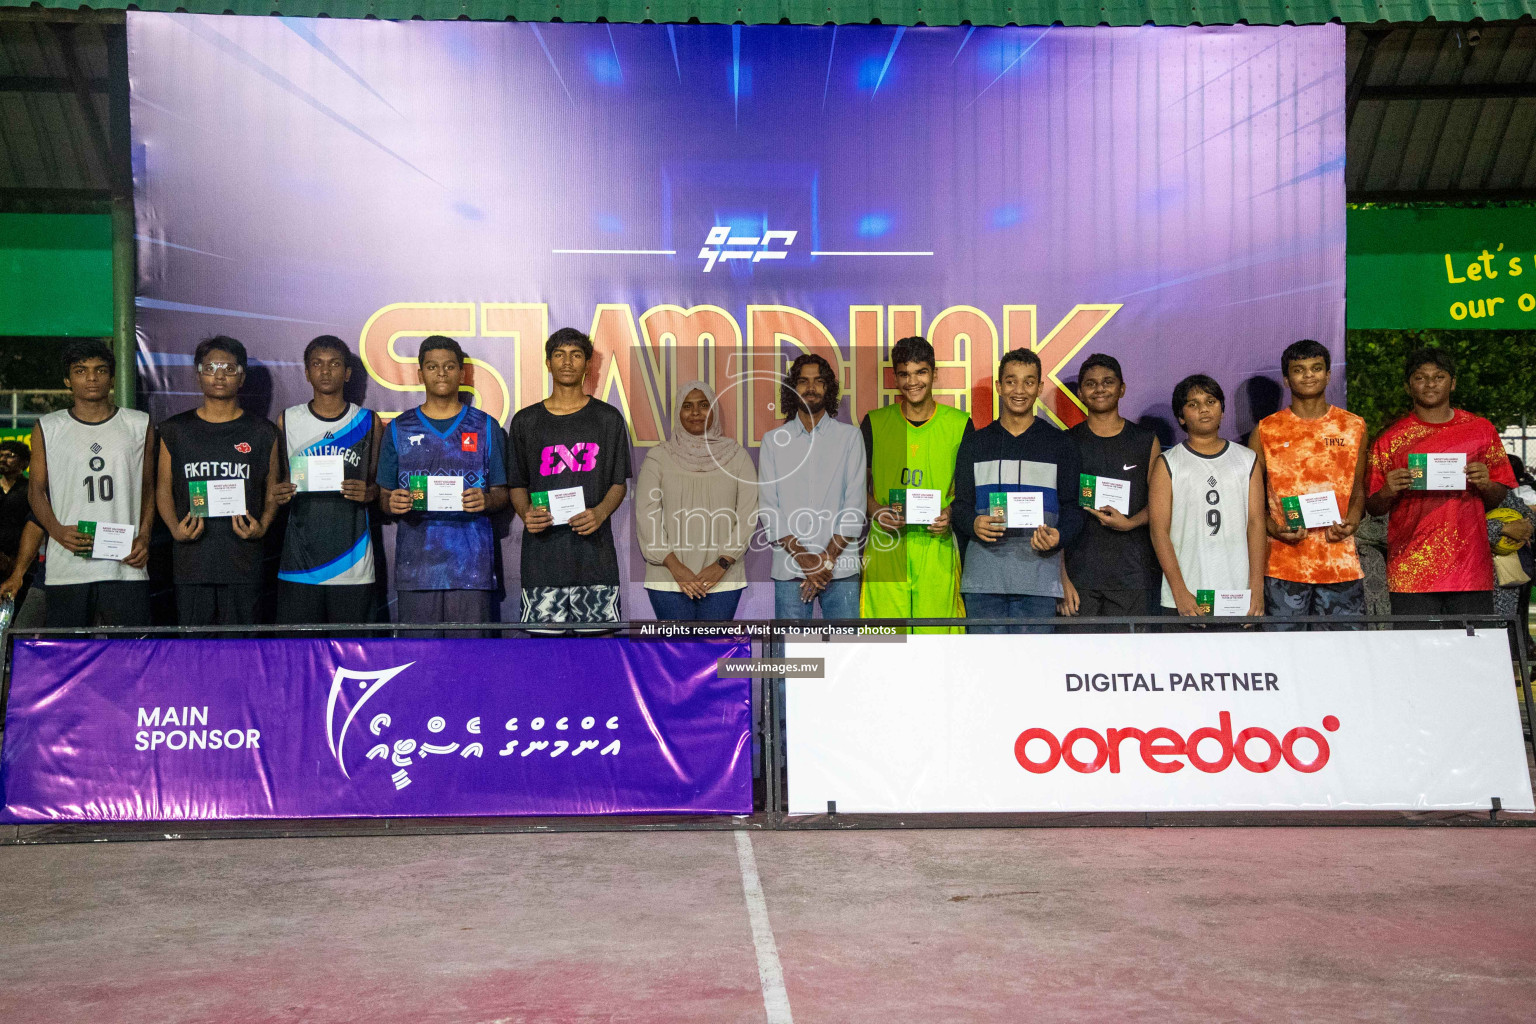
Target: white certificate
326	472
1026	510
113	540
1446	471
1116	494
1320	509
923	506
445	494
226	498
1231	602
567	502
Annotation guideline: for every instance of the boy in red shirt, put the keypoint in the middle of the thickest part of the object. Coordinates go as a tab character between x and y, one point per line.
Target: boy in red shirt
1438	560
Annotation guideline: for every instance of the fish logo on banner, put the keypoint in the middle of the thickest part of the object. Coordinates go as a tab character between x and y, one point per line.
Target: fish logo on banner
371	683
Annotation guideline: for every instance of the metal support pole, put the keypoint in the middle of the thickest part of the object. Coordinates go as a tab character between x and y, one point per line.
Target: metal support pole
1525	680
124	340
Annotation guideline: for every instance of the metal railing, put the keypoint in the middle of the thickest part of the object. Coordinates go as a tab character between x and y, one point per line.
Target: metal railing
23	408
771	786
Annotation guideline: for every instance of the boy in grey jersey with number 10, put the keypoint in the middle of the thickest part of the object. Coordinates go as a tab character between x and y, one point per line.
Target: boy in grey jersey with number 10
92	491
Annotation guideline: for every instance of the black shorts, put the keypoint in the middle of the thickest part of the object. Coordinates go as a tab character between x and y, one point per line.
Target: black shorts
305	603
106	603
1447	602
1112	602
216	604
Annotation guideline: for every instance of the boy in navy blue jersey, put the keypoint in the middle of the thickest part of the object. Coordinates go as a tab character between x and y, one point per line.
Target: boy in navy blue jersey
442	472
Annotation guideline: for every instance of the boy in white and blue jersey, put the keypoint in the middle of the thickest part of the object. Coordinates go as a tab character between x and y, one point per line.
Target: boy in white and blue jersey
445	567
326	573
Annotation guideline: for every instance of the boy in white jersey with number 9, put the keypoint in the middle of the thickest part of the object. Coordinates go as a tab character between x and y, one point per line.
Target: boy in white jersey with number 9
1206	499
91	491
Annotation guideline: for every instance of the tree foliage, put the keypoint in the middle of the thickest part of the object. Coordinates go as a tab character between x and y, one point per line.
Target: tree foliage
1495	373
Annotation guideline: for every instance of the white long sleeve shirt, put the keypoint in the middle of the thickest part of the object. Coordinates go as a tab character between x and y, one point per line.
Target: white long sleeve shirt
811	485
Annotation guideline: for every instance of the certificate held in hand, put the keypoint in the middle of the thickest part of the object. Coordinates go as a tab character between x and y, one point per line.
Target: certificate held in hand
1019	510
1311	511
217	499
316	473
921	505
1438	471
111	541
1104	492
562	503
445	494
566	502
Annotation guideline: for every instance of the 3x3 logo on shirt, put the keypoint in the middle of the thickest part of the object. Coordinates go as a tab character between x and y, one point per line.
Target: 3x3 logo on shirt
580	457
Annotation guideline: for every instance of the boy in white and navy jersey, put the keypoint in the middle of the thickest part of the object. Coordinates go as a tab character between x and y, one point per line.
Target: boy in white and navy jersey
89	465
326	573
1206	499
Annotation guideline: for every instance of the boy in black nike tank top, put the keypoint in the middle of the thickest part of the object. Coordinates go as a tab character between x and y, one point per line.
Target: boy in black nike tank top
1112	569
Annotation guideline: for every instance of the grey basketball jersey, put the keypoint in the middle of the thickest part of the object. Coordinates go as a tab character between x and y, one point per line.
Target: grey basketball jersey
95	474
1209	528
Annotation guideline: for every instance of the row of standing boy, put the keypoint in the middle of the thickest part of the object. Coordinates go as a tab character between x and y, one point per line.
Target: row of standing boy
1207	517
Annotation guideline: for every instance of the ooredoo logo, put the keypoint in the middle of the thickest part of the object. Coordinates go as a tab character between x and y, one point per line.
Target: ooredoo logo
1159	746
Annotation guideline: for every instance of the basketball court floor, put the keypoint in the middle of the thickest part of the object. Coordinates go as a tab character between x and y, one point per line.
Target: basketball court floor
1422	923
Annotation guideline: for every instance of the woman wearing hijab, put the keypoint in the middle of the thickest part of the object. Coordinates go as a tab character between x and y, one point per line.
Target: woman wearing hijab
695	501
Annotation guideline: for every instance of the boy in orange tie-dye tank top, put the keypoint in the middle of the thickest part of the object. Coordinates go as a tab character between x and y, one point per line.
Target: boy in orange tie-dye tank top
1307	452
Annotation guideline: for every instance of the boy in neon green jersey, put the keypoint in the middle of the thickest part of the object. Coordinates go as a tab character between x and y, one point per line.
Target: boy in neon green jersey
912	567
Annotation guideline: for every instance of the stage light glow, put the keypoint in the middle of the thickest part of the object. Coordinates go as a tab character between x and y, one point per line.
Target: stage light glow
604	67
873	225
1007	216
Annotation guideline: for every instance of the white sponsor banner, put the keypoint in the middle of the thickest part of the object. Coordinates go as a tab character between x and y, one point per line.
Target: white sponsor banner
1368	720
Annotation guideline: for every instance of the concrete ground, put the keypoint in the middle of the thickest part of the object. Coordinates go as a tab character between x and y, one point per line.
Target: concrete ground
1259	924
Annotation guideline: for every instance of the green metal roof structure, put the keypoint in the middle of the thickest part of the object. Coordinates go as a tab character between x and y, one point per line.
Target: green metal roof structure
888	12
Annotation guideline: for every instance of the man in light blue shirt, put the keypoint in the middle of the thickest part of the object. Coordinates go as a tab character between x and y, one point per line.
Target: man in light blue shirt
811	498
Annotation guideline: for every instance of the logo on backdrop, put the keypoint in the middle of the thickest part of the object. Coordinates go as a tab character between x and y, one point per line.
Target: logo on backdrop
567	733
720	244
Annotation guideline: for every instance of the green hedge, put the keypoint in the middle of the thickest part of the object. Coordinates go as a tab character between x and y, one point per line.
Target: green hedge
1495	373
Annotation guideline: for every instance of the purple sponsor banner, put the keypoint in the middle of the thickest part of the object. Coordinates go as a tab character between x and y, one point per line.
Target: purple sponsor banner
150	730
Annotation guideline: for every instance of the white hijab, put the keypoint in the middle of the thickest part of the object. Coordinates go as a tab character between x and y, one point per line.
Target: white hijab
699	453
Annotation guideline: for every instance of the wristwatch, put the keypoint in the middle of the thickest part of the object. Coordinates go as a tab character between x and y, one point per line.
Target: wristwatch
724	563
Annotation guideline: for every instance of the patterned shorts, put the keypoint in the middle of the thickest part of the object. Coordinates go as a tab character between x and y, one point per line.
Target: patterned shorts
1284	598
598	603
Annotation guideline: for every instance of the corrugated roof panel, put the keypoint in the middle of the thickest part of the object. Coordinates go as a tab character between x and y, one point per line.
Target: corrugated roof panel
890	12
1455	146
1487	134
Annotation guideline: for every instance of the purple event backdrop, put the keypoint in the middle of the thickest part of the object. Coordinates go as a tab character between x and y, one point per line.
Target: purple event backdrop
98	730
295	177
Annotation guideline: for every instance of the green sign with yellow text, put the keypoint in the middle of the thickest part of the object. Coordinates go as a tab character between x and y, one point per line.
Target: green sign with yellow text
1442	267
